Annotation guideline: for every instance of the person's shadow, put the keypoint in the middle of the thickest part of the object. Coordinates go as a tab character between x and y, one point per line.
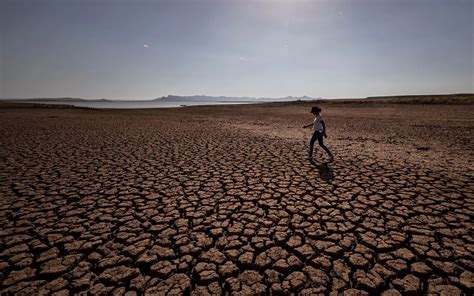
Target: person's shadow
325	171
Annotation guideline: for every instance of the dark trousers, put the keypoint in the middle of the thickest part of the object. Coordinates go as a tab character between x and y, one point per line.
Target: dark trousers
317	136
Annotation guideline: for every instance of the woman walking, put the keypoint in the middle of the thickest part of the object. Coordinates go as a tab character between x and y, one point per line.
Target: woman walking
319	130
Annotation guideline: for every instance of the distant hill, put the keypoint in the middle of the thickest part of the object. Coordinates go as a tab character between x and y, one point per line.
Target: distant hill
66	99
433	99
426	99
173	98
55	99
446	99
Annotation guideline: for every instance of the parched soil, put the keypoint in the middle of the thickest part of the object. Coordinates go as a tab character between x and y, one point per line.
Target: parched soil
222	201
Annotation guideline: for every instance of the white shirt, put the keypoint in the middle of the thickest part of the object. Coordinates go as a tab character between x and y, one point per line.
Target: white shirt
317	125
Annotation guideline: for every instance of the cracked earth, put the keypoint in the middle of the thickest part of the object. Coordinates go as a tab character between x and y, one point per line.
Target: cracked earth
222	201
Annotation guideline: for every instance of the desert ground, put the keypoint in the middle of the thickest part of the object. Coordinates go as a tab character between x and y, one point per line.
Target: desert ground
221	200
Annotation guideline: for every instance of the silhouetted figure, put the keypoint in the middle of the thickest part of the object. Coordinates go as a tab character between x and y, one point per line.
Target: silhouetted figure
319	130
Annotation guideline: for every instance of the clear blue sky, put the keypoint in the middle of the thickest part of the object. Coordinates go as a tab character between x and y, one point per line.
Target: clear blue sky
126	49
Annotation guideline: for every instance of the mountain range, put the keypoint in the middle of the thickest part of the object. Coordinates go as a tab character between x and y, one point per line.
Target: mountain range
202	98
174	98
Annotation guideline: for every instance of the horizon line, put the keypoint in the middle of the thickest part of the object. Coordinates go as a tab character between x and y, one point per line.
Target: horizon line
239	97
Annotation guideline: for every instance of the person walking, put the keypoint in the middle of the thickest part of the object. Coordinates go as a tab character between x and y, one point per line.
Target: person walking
319	130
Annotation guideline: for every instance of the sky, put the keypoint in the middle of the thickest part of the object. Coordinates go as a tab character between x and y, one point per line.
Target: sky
139	50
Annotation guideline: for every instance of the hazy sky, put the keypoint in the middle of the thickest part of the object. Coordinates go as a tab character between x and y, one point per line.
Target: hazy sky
124	49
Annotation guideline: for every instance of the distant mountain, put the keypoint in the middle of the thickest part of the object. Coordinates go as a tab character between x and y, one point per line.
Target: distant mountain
431	96
174	98
201	98
58	100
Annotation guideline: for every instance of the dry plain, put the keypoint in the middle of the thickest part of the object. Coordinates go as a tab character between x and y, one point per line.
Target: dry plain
221	200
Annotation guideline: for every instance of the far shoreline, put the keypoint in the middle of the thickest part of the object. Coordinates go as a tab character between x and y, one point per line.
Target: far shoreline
447	99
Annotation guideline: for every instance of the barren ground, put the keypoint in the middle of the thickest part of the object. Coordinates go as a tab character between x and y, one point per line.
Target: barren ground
216	200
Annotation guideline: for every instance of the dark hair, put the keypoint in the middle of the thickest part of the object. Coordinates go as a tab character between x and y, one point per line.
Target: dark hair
315	109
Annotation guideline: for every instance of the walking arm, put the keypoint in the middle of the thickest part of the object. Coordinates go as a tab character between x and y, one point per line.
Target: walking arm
308	125
324	129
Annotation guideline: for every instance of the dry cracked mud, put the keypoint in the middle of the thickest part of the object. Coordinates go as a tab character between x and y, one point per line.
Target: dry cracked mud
222	201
